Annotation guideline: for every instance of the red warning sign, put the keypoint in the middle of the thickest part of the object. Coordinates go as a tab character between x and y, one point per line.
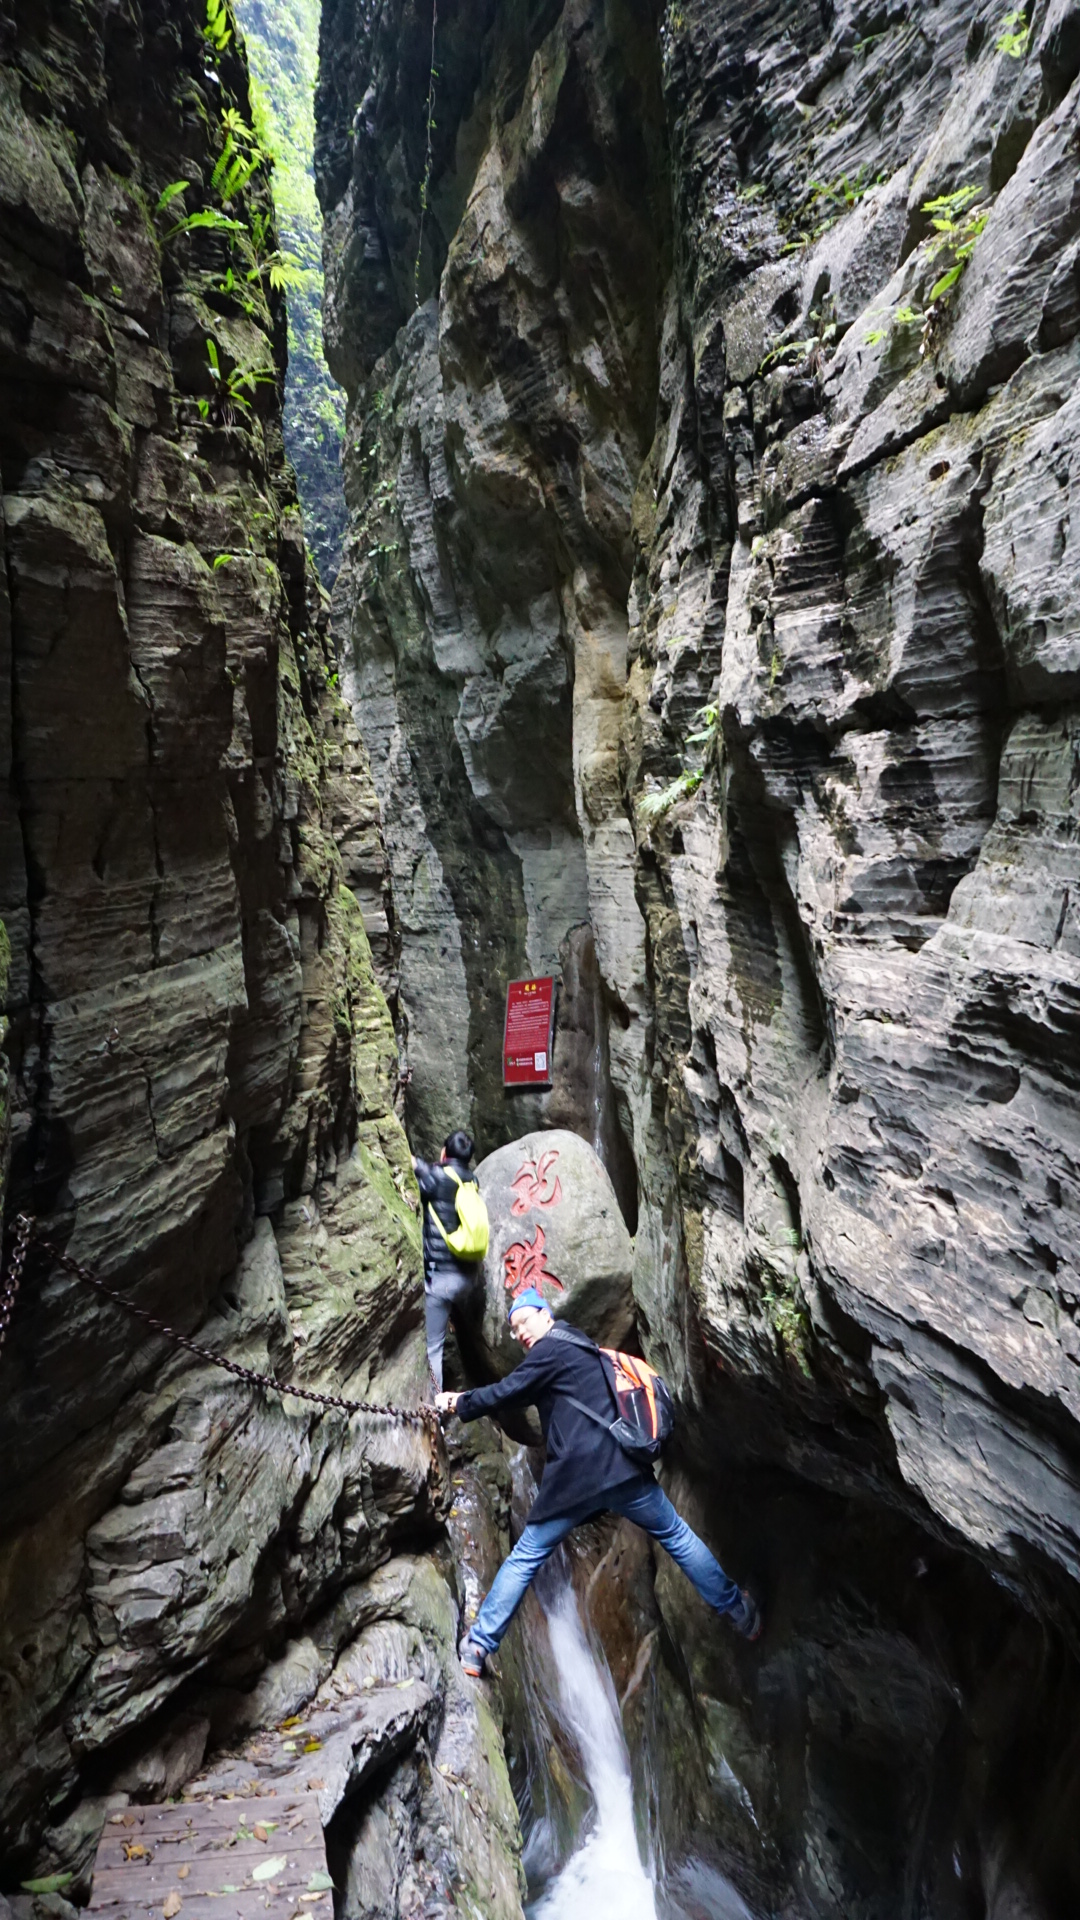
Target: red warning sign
529	1033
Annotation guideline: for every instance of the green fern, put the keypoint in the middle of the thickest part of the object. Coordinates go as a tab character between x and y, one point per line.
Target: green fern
956	222
218	30
824	203
1014	34
812	350
283	271
653	806
233	173
208	218
234	391
170	193
709	731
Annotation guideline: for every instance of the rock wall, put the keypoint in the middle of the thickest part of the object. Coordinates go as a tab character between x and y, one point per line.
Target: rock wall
709	463
495	447
202	1080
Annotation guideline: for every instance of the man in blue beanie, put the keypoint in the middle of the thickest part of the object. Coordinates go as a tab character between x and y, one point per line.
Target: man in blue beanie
586	1473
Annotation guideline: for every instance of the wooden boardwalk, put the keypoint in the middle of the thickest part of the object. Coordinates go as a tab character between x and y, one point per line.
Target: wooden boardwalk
239	1859
246	1840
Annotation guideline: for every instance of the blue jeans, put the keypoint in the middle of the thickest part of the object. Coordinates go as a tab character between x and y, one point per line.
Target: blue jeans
643	1502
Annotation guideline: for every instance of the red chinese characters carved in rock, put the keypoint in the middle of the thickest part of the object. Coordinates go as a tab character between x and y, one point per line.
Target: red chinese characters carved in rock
525	1265
536	1184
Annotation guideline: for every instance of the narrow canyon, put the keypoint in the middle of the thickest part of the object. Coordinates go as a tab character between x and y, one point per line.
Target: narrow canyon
697	625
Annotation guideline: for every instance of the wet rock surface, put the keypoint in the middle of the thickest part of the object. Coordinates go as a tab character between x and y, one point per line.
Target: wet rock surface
703	540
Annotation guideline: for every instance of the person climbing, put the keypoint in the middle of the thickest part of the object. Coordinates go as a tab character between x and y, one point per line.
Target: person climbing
455	1238
586	1473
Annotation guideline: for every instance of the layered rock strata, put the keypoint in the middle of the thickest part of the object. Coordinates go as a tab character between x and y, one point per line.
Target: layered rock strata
204	1076
489	672
711	539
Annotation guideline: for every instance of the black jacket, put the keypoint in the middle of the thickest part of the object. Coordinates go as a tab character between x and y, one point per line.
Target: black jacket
583	1462
438	1190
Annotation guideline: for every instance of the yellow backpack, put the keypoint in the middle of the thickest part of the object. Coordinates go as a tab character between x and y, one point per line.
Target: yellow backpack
469	1239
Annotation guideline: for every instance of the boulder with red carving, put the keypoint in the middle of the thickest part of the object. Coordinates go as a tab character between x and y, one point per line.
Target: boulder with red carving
556	1226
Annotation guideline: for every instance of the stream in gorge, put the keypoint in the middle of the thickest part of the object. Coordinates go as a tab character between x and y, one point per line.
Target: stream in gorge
590	1852
605	1877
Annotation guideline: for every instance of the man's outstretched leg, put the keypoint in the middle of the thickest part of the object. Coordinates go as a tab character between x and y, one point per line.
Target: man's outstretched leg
509	1587
649	1508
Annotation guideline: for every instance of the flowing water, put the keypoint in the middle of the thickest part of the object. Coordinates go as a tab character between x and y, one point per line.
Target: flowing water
605	1878
583	1856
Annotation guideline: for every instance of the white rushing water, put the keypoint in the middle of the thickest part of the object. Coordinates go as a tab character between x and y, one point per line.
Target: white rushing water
604	1879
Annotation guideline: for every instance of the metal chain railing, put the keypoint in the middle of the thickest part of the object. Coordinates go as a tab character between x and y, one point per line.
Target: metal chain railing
425	1418
10	1288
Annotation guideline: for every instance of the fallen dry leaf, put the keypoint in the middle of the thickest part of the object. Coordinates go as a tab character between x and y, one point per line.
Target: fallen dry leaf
182	1872
268	1869
172	1906
133	1850
260	1834
127	1819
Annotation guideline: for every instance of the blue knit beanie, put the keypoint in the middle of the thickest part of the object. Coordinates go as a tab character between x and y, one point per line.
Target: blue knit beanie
528	1297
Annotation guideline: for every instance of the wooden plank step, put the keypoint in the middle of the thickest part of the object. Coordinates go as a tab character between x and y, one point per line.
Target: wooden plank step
246	1841
202	1858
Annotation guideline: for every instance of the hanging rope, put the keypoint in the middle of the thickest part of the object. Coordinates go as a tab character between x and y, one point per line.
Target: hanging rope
424	1418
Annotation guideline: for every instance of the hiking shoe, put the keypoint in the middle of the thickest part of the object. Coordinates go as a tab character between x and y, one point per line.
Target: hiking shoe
746	1617
473	1659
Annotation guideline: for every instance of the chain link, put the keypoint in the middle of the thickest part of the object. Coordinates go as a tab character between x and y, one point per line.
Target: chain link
15	1272
420	1417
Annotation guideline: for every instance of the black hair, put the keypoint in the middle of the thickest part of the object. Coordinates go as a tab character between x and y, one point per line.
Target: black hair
459	1146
